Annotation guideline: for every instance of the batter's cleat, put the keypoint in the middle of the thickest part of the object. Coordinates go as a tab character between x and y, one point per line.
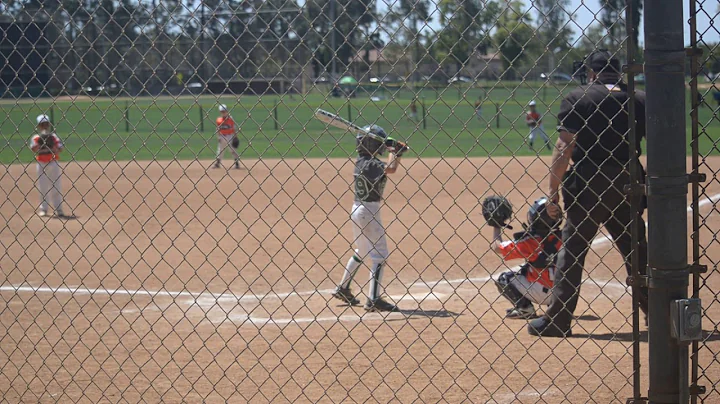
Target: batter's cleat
380	304
525	313
42	213
346	296
545	327
216	165
237	165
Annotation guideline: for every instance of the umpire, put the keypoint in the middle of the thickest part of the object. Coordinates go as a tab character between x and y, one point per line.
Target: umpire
594	134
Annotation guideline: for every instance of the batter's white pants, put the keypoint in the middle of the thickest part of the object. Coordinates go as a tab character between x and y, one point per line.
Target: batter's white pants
224	142
49	185
371	243
538	131
533	291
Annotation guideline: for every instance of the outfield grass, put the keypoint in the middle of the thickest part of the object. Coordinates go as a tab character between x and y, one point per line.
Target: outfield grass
183	128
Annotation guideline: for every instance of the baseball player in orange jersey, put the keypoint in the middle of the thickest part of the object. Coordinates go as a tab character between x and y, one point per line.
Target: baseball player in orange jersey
413	110
538	245
534	122
47	147
226	132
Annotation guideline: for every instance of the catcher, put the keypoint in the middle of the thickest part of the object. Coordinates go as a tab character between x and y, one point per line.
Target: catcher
370	177
227	136
538	245
47	147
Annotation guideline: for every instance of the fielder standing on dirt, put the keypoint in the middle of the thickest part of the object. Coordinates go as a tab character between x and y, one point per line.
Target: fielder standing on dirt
370	177
227	136
47	147
594	134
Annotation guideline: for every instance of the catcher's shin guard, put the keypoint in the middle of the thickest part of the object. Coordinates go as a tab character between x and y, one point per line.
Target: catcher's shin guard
509	291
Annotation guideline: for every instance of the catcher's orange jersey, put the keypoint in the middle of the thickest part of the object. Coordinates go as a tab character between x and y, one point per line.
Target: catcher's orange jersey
226	126
533	249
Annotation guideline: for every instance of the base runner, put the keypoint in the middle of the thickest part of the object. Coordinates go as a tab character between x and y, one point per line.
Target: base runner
227	136
370	179
534	122
538	245
47	147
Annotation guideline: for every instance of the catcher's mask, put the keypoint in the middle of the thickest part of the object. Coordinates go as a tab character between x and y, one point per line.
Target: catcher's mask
539	221
368	146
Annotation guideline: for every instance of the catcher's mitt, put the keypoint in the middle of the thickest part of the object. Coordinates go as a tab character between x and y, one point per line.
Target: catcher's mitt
497	211
235	143
46	143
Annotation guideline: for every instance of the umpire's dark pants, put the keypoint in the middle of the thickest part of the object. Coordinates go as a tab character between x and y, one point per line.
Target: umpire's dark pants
589	204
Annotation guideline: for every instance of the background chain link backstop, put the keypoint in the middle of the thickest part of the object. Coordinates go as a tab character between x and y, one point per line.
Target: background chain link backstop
162	278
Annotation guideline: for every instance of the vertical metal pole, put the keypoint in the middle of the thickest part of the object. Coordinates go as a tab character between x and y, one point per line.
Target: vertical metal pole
333	44
667	191
424	121
275	115
349	111
695	188
52	115
634	229
127	117
497	116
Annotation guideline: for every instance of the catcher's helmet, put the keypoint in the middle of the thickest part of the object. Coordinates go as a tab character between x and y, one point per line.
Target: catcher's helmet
370	146
539	221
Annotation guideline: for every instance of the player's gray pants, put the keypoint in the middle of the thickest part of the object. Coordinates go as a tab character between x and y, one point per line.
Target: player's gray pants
371	243
49	185
224	142
538	131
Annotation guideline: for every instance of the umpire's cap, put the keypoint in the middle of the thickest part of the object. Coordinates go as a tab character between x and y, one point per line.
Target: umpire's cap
603	61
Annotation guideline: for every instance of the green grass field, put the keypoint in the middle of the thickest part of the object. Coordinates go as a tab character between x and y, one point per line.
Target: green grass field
183	128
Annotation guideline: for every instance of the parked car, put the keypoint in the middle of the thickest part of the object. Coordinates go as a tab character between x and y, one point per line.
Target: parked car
640	79
557	77
459	79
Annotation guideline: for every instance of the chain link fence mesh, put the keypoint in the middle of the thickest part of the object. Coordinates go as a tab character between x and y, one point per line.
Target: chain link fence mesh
161	278
706	108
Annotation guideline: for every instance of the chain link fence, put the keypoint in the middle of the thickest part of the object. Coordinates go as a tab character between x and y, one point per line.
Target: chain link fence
144	266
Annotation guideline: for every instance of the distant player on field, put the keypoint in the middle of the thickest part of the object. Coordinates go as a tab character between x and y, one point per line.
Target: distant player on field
47	147
534	122
413	110
478	109
227	136
538	245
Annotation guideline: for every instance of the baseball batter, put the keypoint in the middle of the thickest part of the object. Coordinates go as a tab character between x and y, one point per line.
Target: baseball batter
370	177
227	136
534	122
538	245
47	147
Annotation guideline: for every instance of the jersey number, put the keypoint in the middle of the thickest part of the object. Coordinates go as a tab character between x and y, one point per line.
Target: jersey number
363	187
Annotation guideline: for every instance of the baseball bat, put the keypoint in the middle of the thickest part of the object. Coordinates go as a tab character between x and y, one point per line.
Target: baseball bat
341	123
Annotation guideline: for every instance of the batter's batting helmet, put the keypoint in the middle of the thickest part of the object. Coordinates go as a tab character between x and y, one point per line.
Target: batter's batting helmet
539	221
367	145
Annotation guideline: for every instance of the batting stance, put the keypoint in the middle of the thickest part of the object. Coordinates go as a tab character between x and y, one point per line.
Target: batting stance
227	136
47	147
370	179
538	245
534	122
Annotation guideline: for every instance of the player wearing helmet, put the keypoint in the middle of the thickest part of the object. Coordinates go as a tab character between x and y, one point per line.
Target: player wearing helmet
226	133
369	181
47	147
534	122
537	245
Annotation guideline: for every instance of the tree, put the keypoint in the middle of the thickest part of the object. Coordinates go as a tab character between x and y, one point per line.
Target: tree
613	19
552	27
515	37
466	27
409	14
343	39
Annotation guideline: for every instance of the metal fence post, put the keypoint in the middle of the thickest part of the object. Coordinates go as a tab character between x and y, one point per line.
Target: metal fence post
127	117
202	119
667	191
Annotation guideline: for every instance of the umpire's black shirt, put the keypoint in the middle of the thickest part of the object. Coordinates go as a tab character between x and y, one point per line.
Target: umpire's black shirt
597	114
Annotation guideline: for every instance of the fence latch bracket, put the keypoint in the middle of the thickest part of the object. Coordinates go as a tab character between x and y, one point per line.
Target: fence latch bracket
697	178
698	269
696	390
633	68
641	281
641	400
635	189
